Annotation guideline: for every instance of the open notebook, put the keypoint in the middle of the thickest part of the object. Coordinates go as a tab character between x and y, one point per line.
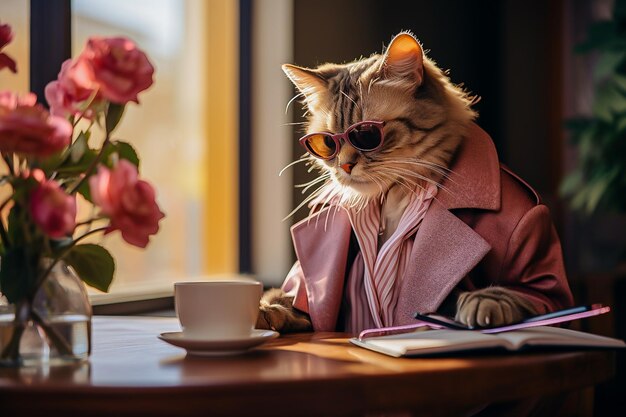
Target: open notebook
451	336
418	343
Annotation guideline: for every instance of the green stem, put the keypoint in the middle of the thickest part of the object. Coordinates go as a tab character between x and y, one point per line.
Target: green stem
90	221
11	351
57	340
86	234
65	251
93	164
23	312
87	104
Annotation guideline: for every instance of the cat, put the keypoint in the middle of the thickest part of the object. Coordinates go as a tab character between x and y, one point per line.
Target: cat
409	133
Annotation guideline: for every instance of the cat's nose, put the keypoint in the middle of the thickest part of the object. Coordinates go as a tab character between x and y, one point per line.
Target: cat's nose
348	167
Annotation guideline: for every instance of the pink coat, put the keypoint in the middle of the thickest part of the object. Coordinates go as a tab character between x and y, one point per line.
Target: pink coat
489	228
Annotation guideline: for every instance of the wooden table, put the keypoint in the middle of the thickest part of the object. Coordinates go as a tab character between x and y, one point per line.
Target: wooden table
131	372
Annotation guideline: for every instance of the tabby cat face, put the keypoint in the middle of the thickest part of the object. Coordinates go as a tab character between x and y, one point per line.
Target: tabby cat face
424	116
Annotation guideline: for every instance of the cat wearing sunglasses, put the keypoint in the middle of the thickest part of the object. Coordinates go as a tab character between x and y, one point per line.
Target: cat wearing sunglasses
413	211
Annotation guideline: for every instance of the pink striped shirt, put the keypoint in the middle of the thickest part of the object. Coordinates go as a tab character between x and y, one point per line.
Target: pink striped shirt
371	290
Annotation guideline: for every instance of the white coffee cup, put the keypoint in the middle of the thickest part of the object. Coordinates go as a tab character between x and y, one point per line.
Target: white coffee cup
217	310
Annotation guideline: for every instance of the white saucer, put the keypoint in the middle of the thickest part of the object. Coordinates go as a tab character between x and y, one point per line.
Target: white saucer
217	347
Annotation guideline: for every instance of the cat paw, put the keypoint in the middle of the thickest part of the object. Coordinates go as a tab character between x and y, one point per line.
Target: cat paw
276	312
492	307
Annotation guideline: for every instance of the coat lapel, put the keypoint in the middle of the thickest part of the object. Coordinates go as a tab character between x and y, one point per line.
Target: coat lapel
444	251
321	243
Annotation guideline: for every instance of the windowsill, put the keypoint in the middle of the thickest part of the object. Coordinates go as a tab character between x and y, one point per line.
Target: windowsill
146	296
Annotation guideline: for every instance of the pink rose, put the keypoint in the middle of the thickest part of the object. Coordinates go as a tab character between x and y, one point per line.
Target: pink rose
73	87
52	209
127	201
6	36
119	68
28	128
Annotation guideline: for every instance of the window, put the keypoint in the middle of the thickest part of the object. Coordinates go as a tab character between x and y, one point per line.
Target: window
185	131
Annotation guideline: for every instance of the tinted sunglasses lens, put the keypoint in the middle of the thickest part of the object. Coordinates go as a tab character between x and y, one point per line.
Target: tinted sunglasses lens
320	145
366	137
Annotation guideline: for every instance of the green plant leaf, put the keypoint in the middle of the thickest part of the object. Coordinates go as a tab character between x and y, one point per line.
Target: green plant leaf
599	181
125	151
93	264
621	124
113	116
571	183
52	162
598	188
579	199
607	101
85	191
620	81
607	64
79	147
586	140
70	169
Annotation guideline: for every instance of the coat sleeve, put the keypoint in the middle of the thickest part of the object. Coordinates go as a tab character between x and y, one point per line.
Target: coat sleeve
533	264
295	287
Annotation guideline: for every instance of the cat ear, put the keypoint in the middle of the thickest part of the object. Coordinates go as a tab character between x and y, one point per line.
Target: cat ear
404	60
309	82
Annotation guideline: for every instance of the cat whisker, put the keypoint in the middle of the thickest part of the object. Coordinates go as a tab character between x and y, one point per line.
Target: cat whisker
434	164
378	184
403	182
314	182
330	196
415	184
310	197
423	164
357	202
289	165
291	101
327	215
406	172
420	162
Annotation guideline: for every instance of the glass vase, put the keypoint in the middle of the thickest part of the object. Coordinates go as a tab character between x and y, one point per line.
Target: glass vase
51	328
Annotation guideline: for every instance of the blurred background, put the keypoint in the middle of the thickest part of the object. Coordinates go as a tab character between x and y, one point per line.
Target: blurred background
215	131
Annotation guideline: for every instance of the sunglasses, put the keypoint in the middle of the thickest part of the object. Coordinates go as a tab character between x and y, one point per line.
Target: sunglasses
366	136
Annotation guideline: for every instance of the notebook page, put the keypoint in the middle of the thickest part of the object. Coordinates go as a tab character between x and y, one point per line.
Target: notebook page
434	341
554	336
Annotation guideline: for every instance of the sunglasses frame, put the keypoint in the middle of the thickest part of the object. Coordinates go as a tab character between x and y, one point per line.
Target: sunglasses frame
336	138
